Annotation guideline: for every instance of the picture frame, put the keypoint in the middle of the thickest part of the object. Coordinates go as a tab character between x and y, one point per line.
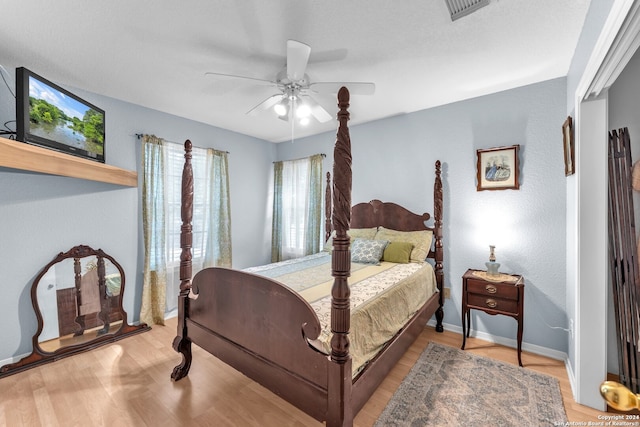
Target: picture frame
498	168
569	147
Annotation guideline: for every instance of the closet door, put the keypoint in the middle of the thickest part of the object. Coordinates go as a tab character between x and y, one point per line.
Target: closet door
623	257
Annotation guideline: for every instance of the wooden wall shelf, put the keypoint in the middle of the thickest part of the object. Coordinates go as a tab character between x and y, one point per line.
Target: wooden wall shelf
18	155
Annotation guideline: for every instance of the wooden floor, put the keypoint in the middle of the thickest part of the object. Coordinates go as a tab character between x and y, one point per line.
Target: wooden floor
128	384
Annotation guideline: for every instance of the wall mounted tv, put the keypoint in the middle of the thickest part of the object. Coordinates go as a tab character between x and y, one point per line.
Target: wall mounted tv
52	117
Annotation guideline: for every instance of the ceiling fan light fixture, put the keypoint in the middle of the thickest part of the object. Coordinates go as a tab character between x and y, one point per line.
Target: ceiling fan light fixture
282	107
292	102
303	111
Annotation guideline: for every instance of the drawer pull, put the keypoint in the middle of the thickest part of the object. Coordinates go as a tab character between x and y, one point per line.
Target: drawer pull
491	289
491	303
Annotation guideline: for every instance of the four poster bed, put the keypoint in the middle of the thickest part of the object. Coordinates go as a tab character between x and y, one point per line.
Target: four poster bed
267	330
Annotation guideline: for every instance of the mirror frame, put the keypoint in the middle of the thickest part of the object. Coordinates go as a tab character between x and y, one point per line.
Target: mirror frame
39	356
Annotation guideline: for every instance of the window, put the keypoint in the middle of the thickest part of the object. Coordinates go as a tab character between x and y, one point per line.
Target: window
297	208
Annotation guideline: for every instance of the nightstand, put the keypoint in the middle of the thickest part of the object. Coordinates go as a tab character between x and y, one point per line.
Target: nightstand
501	294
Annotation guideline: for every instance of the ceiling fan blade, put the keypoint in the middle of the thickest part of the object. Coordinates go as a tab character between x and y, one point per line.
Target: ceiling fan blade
317	110
297	58
355	88
233	76
328	55
265	105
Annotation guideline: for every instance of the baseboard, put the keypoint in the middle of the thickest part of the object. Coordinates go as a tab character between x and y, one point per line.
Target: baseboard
572	377
507	342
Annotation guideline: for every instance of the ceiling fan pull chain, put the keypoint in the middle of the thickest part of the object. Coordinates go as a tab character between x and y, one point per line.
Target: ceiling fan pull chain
293	122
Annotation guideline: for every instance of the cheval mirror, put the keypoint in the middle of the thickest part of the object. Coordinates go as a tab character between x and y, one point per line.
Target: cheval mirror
77	299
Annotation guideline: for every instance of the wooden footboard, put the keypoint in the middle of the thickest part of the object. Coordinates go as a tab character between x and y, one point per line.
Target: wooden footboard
239	318
261	328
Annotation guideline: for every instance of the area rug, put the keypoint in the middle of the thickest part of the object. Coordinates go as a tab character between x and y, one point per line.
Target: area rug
451	387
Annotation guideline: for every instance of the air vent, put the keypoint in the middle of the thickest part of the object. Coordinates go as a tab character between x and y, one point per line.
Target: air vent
460	8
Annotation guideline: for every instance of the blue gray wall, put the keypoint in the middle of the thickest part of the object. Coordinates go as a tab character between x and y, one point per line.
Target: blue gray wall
393	161
42	215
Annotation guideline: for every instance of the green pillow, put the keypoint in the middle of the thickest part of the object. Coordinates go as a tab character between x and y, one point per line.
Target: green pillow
399	252
421	241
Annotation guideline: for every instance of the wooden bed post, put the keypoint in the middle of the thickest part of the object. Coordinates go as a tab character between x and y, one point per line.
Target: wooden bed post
437	214
181	343
327	209
340	381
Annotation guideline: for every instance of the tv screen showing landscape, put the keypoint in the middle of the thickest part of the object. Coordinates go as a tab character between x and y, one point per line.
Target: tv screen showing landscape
53	117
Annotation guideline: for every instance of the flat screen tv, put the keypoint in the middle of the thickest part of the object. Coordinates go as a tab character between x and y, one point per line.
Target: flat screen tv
52	117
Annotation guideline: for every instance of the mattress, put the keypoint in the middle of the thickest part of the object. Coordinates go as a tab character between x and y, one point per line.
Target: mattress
383	298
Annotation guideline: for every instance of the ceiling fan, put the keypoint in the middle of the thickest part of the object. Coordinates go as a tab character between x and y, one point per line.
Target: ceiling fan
294	99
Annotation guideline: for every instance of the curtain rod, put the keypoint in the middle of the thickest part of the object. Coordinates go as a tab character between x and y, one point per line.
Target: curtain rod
140	135
293	160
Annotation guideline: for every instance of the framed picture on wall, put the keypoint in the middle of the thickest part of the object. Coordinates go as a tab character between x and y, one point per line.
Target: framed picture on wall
498	168
569	148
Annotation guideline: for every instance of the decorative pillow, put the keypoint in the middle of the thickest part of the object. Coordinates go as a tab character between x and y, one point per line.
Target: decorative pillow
354	233
367	251
363	233
421	241
399	252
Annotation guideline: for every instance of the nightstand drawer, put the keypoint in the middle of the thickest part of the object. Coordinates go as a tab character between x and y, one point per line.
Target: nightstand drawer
499	290
490	302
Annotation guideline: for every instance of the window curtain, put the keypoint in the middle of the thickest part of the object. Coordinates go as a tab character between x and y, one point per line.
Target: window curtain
314	213
216	247
297	208
153	222
276	219
211	221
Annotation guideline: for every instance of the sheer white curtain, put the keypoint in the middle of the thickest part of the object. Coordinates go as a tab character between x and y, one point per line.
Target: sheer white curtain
297	208
211	216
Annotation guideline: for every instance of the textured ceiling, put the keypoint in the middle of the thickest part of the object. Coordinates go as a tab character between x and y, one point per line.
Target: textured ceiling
155	52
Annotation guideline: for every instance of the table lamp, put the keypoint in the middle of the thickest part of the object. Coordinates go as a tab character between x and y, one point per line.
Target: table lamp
492	265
